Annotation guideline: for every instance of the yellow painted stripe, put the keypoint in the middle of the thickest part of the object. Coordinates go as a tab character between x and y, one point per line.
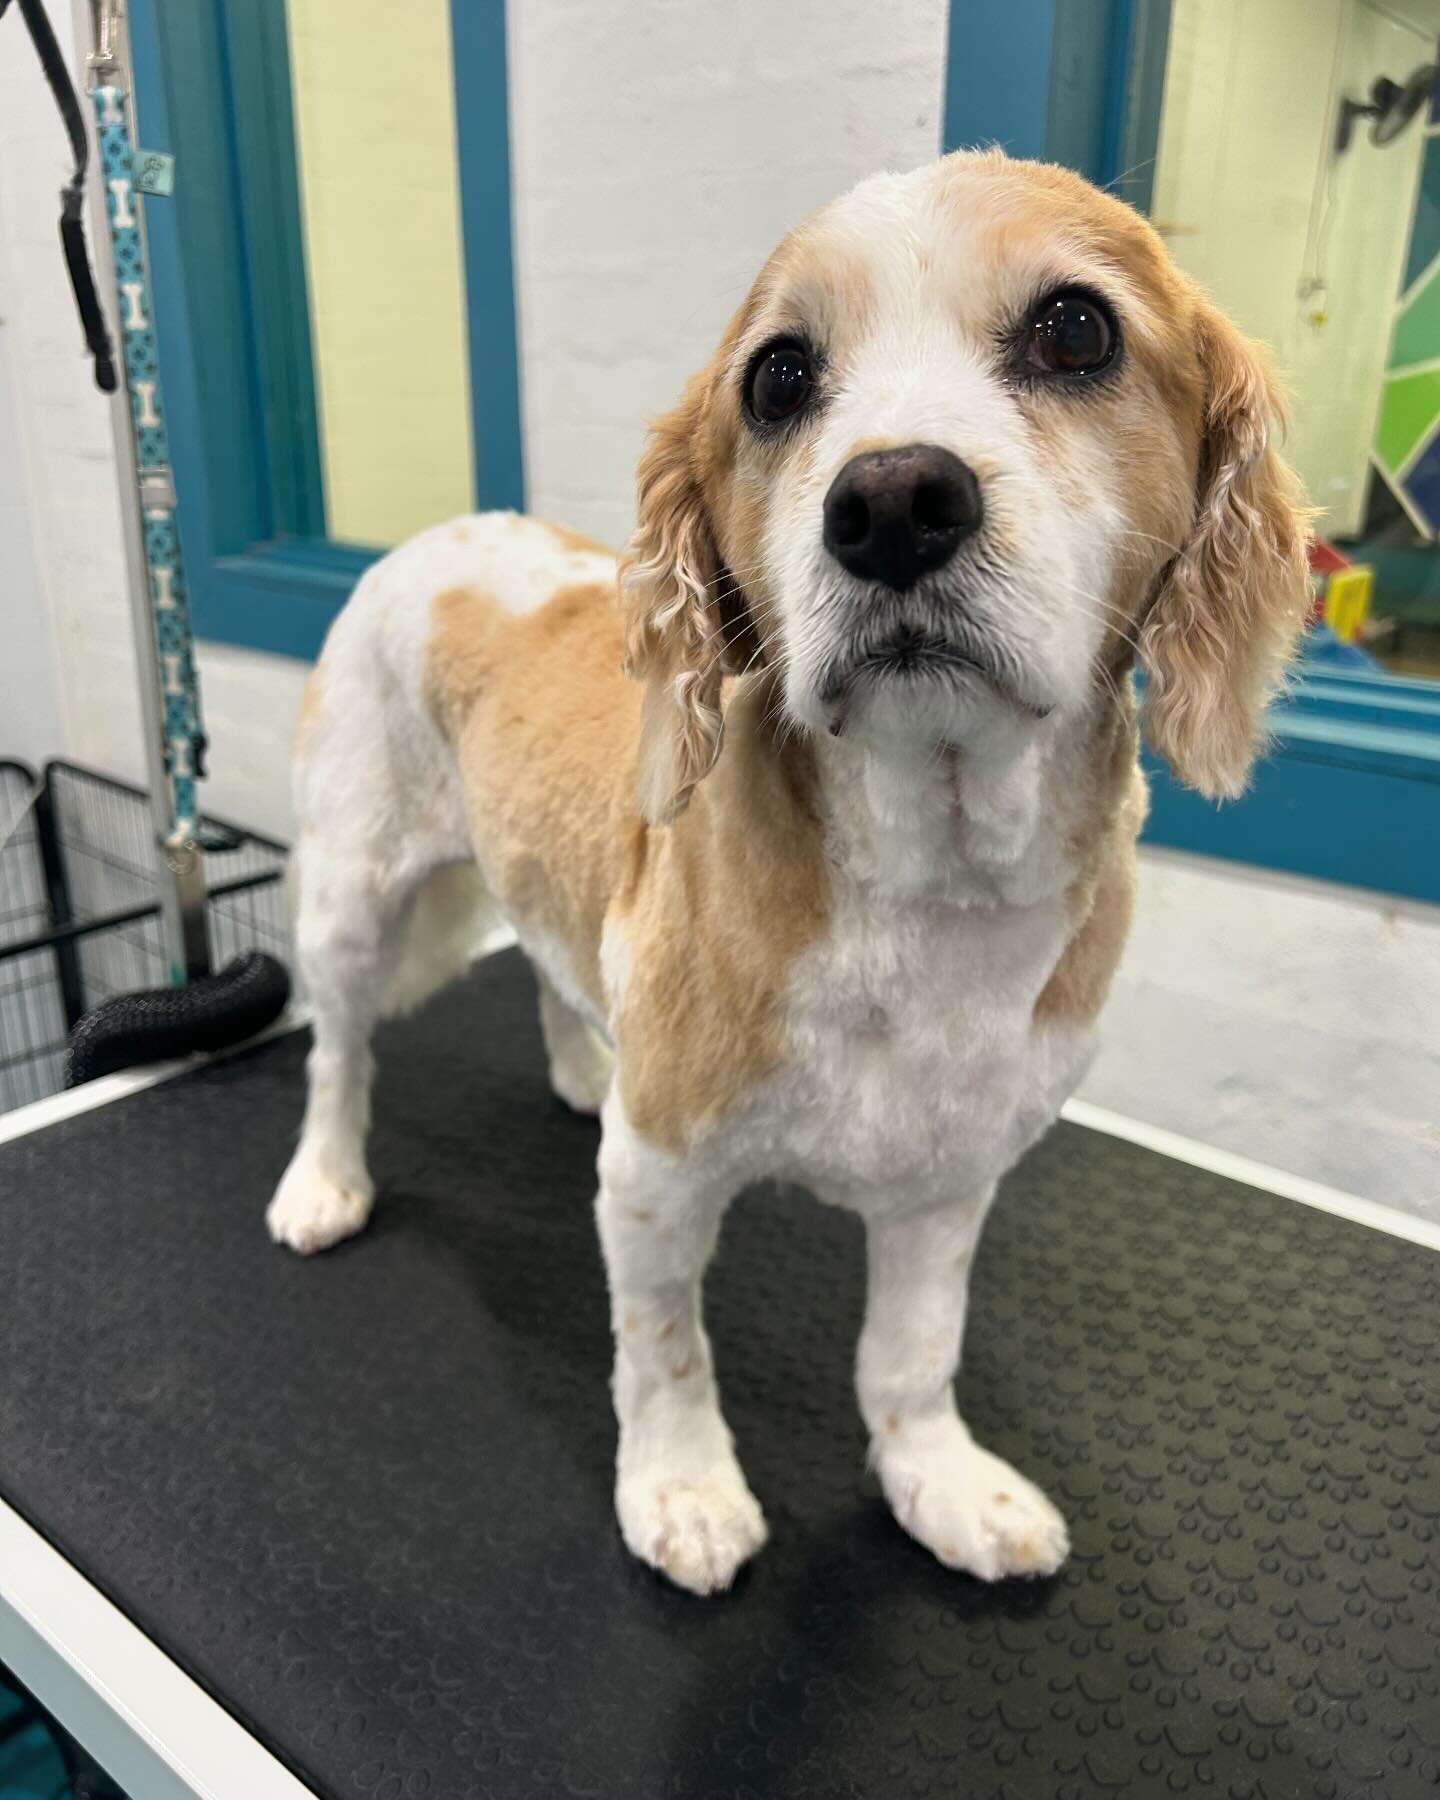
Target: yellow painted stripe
379	196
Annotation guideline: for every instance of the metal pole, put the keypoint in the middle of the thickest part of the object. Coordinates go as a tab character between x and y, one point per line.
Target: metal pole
180	870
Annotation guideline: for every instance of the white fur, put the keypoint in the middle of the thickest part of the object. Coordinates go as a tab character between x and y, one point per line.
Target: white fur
916	1078
914	1074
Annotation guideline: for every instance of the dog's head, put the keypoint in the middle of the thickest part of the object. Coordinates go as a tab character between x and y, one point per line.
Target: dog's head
971	444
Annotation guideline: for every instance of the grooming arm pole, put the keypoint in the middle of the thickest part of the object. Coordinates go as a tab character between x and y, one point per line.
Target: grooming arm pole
147	497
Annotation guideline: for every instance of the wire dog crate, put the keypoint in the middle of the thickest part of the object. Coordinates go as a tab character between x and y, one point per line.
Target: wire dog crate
80	909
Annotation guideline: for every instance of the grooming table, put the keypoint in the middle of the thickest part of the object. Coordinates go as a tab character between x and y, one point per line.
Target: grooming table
363	1502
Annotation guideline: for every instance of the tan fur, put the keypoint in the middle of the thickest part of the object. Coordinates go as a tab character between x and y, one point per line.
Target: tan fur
1216	632
713	909
544	725
1102	896
1224	622
674	639
700	520
815	280
862	446
1078	987
577	541
715	912
310	701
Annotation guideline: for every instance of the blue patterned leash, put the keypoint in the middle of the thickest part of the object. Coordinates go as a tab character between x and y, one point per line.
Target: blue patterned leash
169	607
198	1010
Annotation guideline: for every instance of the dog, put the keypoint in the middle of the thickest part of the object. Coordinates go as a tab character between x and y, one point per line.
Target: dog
822	840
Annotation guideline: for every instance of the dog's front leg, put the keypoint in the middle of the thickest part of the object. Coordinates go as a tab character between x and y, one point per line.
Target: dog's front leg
682	1500
971	1509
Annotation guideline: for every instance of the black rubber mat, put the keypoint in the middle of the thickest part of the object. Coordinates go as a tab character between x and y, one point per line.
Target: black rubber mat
366	1499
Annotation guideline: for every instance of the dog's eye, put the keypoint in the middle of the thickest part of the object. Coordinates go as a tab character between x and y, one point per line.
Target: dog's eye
1071	334
781	381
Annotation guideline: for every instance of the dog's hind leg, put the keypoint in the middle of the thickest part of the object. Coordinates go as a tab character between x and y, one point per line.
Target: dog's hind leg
371	938
346	946
388	903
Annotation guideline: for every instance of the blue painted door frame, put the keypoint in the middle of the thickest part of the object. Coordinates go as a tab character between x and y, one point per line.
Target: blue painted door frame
212	86
1068	81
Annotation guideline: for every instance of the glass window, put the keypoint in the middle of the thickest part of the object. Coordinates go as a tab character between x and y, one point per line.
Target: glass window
373	98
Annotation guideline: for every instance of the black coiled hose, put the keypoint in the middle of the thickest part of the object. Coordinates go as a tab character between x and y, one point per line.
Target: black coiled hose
158	1023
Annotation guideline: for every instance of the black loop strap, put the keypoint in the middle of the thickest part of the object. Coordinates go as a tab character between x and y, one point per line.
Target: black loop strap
72	195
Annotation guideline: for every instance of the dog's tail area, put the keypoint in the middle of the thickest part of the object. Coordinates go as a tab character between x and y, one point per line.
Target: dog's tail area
442	933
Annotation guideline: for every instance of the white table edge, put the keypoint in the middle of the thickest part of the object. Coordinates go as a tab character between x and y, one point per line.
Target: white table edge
136	1711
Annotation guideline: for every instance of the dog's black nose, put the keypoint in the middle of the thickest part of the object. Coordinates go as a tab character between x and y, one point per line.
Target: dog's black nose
893	515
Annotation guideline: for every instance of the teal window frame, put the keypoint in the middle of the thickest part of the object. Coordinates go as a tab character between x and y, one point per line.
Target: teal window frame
1349	788
212	87
1078	82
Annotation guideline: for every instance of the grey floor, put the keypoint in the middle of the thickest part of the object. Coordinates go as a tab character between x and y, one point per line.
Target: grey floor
1292	1023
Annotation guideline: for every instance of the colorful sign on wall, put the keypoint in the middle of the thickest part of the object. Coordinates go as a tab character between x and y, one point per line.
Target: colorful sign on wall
1407	437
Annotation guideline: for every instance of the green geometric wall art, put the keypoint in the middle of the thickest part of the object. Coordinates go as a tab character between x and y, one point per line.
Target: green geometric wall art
1407	433
1409	406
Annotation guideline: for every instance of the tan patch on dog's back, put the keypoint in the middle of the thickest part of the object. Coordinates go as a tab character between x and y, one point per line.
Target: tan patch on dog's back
544	725
577	541
461	651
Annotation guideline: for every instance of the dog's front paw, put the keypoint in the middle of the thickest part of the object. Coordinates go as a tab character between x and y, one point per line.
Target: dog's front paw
971	1509
311	1210
696	1530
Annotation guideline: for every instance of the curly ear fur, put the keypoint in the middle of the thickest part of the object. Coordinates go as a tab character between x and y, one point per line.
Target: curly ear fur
1231	606
675	638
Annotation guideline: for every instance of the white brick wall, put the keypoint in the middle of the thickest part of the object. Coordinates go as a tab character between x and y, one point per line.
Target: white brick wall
31	725
65	680
659	153
251	704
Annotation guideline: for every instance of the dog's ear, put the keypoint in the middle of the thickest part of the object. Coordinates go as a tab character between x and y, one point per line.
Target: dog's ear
1230	607
675	633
